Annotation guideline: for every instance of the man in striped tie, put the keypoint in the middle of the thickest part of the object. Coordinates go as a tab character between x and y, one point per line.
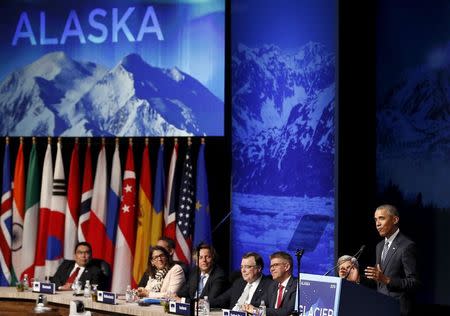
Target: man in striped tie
396	260
80	269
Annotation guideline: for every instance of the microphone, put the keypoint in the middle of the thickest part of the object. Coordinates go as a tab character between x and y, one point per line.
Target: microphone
353	261
299	252
360	251
356	256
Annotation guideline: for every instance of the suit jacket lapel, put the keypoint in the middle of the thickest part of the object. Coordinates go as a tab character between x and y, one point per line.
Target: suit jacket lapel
392	249
286	290
258	292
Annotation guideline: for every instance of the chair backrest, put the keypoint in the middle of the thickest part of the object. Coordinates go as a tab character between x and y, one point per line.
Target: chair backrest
106	272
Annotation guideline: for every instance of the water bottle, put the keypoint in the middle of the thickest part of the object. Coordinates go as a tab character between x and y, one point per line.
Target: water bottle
25	282
262	308
201	306
87	289
206	306
129	294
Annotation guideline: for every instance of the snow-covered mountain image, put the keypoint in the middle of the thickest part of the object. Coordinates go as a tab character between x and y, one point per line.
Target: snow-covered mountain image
59	96
413	134
283	152
283	120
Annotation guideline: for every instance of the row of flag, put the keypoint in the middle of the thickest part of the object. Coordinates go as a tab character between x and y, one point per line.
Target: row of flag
43	217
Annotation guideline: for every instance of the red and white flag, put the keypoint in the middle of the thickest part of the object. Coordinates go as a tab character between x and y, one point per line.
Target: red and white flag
169	205
44	214
6	221
125	242
97	218
55	240
73	206
86	196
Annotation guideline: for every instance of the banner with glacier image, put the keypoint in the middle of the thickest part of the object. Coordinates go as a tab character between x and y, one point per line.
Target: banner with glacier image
112	68
284	94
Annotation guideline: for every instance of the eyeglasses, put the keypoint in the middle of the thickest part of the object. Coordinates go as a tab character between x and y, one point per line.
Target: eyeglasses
161	256
277	264
246	266
79	252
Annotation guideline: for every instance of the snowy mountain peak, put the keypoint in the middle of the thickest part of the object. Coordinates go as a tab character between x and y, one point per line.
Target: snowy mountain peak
283	112
48	66
176	74
132	59
56	95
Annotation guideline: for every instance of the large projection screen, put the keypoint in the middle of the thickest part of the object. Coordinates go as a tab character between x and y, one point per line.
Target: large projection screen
112	68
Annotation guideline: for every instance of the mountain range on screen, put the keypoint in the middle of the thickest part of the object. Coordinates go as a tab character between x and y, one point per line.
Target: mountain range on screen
58	96
283	120
413	132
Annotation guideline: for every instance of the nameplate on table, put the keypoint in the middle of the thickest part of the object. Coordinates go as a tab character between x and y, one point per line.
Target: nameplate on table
106	297
179	308
229	312
41	287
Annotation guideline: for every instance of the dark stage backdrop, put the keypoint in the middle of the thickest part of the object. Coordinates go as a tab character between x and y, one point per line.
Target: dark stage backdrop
413	139
283	85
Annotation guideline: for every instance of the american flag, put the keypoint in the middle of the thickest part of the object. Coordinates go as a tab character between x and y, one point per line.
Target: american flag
185	210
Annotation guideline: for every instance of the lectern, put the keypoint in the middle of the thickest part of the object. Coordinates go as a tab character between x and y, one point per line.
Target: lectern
333	296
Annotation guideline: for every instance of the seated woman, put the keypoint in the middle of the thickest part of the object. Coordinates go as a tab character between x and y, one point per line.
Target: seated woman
348	268
164	277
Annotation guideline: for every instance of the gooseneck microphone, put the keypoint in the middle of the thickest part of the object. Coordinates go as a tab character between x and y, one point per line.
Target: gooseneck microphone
355	260
356	255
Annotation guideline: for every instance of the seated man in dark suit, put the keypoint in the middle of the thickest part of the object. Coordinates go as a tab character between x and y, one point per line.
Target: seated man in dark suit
212	280
247	289
80	269
280	296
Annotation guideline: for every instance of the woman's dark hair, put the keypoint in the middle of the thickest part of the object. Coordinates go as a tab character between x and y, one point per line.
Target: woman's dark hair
151	269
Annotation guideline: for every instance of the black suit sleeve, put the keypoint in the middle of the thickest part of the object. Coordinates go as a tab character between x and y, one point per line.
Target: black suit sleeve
144	280
288	303
409	282
223	300
94	275
184	290
61	275
217	285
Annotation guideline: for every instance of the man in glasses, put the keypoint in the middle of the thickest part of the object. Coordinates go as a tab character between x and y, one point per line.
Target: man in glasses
80	269
280	296
249	288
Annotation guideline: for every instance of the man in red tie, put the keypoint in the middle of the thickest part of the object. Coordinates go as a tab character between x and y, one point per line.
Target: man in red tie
280	297
80	269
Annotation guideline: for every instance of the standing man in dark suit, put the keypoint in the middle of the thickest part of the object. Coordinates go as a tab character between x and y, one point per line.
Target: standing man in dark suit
248	289
396	263
80	269
280	296
212	280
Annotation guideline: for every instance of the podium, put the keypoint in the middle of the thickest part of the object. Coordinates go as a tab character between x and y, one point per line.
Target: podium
333	296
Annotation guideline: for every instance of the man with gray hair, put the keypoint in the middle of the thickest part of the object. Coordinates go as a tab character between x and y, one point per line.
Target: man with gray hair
396	260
